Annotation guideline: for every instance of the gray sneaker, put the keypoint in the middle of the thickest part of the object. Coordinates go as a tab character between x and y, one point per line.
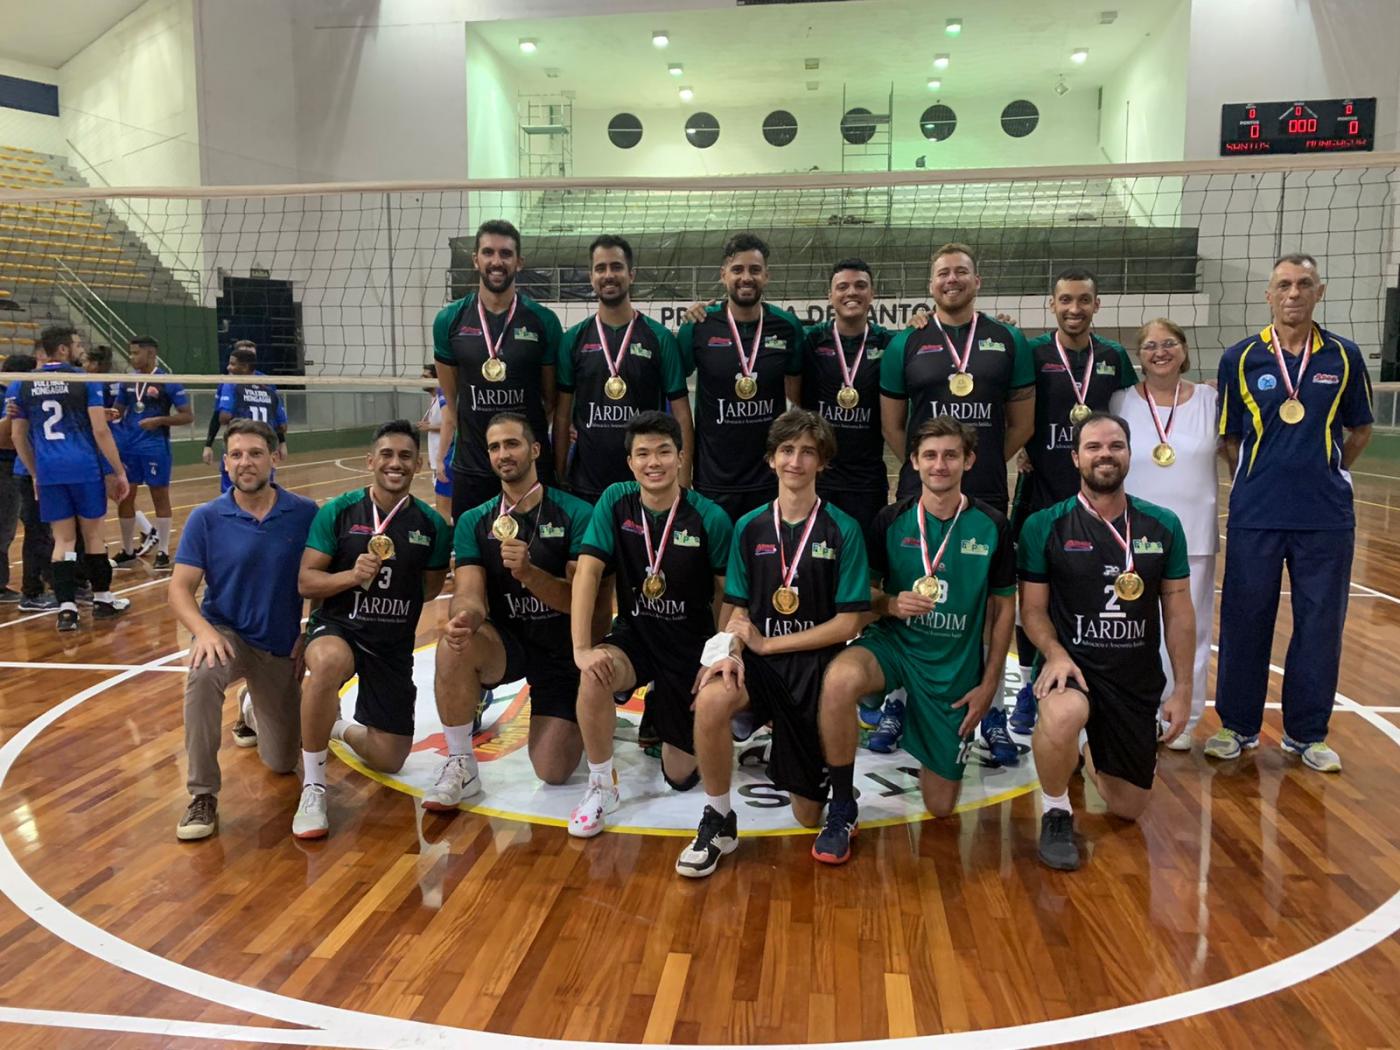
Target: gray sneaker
9	597
201	819
1057	846
38	603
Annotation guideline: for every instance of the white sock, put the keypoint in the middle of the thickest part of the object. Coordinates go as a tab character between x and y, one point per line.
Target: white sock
601	771
70	606
459	739
313	768
719	803
1027	675
1083	740
163	534
1049	802
143	523
128	527
338	730
102	596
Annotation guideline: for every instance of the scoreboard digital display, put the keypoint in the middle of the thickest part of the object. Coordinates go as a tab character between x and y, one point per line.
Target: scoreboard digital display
1334	125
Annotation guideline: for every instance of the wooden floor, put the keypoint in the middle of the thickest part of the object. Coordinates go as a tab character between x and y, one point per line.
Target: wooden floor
1255	904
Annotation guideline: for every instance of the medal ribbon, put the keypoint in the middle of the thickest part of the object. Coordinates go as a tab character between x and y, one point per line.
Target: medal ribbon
848	375
654	560
959	364
746	363
1081	388
1162	432
508	510
380	526
1279	351
789	572
614	366
930	567
494	349
1124	539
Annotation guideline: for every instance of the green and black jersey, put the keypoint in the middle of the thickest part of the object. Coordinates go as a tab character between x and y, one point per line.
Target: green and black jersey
553	530
652	369
1114	642
859	465
530	344
916	367
731	433
384	615
1054	476
945	644
675	625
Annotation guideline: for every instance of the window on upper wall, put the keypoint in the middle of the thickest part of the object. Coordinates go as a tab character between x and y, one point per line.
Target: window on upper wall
858	126
779	128
938	122
624	131
702	130
1019	118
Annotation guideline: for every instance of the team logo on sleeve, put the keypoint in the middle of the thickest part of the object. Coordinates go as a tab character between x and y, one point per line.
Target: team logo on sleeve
993	345
775	342
1267	382
764	548
971	546
821	550
1106	368
874	353
524	335
417	537
1327	378
1142	545
551	532
684	539
639	351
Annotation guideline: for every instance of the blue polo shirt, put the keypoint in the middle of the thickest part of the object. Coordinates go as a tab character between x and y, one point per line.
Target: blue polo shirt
1290	476
250	567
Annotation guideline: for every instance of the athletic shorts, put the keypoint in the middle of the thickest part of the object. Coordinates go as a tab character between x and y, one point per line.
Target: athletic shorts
151	470
863	506
444	488
669	699
553	686
80	499
931	723
1122	732
738	503
386	694
795	763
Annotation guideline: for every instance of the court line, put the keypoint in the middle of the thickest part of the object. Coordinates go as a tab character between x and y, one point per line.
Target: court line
24	665
168	1027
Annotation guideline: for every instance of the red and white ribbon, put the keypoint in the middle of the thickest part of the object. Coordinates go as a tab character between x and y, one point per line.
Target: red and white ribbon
931	567
1163	432
1279	351
654	559
1081	387
748	362
1124	538
494	349
789	572
614	367
959	363
848	375
504	511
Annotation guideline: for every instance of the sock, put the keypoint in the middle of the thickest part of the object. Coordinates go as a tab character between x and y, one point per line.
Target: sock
338	730
601	771
128	527
163	535
1049	802
720	804
143	523
65	584
99	574
313	768
459	739
842	782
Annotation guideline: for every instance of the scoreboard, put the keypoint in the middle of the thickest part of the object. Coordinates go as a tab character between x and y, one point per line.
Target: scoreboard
1334	125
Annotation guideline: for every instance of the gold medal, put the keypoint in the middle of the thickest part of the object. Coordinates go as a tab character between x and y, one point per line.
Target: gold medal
381	546
505	527
1079	413
1291	411
785	600
746	387
848	397
493	369
654	586
927	587
615	388
1163	455
960	383
1128	586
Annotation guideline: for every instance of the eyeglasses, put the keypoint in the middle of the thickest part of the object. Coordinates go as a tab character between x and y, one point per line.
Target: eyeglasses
1165	344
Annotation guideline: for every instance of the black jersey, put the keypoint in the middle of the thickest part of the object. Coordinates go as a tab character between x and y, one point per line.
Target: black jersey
528	345
553	530
731	433
652	370
859	465
383	616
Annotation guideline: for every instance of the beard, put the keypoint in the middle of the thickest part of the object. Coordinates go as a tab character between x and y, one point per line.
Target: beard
497	281
746	295
249	486
613	295
1101	485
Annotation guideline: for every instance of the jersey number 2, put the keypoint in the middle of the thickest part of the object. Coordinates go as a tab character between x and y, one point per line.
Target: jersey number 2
55	410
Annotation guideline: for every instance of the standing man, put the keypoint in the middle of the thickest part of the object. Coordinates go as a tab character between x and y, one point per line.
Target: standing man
841	382
509	618
61	435
496	351
431	424
612	366
208	452
747	356
37	549
373	557
796	586
946	570
1295	413
256	401
667	547
147	412
244	547
1094	571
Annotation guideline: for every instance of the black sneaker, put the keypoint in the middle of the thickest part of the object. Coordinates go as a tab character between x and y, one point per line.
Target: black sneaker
109	610
125	560
161	563
833	845
38	603
715	837
83	595
9	597
68	619
1057	846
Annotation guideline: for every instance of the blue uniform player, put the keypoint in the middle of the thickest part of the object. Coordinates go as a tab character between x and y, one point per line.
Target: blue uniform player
146	412
258	401
61	435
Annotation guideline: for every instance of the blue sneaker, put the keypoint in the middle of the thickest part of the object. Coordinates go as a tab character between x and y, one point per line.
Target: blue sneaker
833	844
886	738
1023	715
868	718
1003	749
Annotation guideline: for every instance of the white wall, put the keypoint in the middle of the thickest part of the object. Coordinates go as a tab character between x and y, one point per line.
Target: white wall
491	123
1144	100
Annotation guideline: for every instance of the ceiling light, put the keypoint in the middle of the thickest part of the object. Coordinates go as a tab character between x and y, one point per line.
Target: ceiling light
660	38
674	70
686	94
1079	55
1061	88
954	26
940	61
528	45
934	83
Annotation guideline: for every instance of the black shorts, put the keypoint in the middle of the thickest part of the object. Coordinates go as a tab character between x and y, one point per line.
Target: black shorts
553	682
669	699
863	506
1122	732
738	503
387	694
792	704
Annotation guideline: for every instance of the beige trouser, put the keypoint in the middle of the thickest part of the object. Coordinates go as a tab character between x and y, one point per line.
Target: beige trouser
276	696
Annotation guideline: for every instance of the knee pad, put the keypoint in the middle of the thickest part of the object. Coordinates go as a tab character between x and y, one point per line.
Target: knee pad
681	785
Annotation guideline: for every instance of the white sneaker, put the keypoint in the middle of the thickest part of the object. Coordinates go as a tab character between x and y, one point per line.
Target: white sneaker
245	709
311	821
598	801
457	779
1181	743
148	542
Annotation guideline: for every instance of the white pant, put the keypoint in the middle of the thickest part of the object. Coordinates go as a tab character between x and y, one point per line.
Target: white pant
1203	599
